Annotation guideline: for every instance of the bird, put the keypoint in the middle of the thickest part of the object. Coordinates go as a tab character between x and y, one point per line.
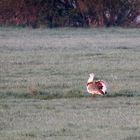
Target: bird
97	87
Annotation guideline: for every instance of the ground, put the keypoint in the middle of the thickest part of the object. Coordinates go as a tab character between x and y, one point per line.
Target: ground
85	118
43	76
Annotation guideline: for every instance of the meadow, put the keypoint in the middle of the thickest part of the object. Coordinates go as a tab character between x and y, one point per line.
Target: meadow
43	76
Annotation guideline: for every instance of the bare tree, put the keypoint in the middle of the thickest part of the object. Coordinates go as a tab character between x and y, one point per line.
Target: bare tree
53	13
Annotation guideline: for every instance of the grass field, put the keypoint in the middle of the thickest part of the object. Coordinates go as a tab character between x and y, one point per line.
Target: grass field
43	74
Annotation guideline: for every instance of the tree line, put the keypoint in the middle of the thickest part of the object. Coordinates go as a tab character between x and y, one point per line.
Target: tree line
70	13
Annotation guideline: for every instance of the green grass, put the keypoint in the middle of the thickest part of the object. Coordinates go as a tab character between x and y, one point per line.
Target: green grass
58	61
43	76
75	118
